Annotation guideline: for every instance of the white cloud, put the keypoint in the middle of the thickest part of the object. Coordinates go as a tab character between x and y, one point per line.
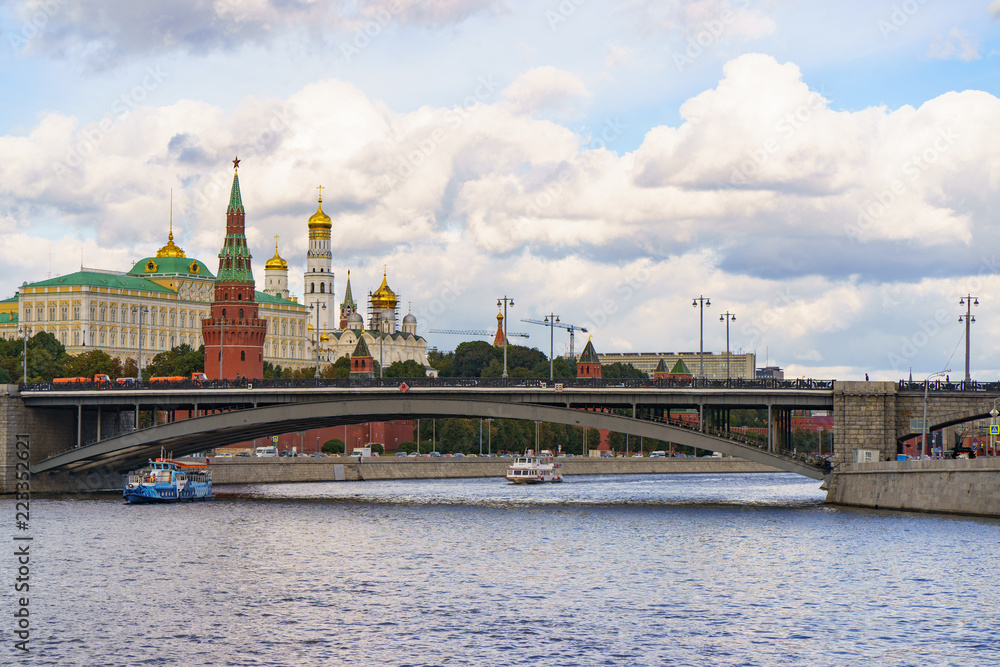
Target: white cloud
958	45
994	8
545	90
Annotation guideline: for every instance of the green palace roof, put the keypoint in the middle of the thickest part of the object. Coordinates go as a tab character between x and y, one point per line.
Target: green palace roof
13	299
171	266
8	318
90	279
262	297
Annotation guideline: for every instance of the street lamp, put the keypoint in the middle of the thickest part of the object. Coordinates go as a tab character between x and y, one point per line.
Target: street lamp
993	413
923	438
968	301
505	300
727	318
552	321
701	301
25	331
317	306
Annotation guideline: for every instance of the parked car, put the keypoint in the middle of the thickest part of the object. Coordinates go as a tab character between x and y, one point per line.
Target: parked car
318	454
400	454
657	454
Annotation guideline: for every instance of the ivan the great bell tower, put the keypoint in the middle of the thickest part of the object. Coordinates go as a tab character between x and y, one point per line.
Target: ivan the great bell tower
234	334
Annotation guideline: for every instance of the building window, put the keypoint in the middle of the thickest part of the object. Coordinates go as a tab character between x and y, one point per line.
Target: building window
163	317
76	312
76	338
39	313
102	338
104	314
173	319
322	288
91	337
241	314
312	287
243	355
93	314
63	310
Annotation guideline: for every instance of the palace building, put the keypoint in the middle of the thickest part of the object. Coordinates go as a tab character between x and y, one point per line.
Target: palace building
170	299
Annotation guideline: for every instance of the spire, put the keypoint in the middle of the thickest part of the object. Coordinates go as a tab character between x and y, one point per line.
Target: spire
235	201
499	338
348	297
589	355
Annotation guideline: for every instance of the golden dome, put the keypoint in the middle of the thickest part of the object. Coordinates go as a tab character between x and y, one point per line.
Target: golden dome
276	262
383	296
319	219
170	250
310	327
323	338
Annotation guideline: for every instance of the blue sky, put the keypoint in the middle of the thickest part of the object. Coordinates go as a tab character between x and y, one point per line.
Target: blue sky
606	160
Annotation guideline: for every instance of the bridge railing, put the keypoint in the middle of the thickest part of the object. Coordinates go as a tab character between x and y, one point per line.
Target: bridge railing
945	386
446	382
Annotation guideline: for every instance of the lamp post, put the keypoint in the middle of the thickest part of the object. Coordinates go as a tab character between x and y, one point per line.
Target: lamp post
552	321
968	301
993	440
25	331
701	301
317	306
923	425
505	300
727	318
489	437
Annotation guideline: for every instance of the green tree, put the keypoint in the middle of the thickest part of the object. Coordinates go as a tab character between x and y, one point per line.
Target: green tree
471	357
442	362
593	438
178	361
405	369
88	364
456	436
619	370
616	441
407	446
377	448
333	446
4	376
494	369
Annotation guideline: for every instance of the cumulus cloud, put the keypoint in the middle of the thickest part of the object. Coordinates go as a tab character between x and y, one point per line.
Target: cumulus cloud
994	8
782	208
545	90
104	32
957	45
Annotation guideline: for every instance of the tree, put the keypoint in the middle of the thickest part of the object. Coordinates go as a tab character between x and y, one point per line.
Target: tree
593	438
377	448
616	441
4	376
334	446
619	370
88	364
470	358
494	369
407	446
405	369
441	362
456	435
178	361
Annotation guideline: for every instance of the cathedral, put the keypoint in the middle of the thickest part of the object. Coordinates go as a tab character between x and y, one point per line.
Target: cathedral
170	299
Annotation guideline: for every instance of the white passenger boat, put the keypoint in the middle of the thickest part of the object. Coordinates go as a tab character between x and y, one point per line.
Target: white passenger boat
531	469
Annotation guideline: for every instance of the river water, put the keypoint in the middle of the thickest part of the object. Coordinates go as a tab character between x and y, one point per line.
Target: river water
603	570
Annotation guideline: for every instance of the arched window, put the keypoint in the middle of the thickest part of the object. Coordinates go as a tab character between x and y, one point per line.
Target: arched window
223	313
243	355
241	313
322	288
312	287
239	297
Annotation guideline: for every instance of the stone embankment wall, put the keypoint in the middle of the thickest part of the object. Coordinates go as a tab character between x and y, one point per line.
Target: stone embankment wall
951	486
44	432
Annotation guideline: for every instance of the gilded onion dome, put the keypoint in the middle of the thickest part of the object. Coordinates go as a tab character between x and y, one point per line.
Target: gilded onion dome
276	262
323	338
383	296
319	223
170	250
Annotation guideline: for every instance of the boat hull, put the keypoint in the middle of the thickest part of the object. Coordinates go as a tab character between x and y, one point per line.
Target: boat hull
167	493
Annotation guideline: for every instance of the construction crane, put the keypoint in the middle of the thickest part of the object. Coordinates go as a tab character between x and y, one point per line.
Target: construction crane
569	327
477	332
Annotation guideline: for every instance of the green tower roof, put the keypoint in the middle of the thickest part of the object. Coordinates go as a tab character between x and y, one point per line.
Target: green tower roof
589	355
661	367
680	368
348	297
361	349
235	200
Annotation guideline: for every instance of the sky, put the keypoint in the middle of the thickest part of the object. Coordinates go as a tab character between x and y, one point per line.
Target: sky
829	173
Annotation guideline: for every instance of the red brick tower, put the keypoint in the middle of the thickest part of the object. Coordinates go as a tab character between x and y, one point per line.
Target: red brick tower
362	364
234	334
588	366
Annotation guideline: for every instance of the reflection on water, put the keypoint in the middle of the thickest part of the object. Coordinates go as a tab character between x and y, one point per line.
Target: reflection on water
604	570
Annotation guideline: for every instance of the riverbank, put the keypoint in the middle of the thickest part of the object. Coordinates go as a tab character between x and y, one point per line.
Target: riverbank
949	486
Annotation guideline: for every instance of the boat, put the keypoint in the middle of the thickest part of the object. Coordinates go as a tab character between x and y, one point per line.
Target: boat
531	469
169	481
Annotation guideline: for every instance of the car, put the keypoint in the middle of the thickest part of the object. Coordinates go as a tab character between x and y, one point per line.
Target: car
318	454
243	454
436	454
459	455
400	454
658	454
607	455
286	452
226	455
412	454
637	456
472	456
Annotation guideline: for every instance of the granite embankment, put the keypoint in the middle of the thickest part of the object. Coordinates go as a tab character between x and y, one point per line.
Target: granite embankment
950	486
304	469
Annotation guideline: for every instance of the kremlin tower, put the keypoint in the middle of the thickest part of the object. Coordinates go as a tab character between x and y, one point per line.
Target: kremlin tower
234	334
318	282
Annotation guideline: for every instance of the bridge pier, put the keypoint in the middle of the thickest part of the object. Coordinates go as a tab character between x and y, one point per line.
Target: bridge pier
46	431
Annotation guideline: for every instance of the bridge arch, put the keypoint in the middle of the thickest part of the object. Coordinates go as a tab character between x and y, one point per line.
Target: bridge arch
201	433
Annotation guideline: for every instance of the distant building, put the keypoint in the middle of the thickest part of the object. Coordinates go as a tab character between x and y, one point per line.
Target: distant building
770	373
741	366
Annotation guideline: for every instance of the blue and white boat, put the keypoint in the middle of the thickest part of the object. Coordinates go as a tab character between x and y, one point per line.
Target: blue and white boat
168	481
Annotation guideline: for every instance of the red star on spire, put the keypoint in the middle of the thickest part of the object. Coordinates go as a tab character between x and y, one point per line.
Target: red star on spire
236	163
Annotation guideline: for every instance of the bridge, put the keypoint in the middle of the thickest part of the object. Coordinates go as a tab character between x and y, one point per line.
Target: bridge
82	428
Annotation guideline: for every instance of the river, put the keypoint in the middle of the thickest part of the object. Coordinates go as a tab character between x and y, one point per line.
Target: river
739	569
